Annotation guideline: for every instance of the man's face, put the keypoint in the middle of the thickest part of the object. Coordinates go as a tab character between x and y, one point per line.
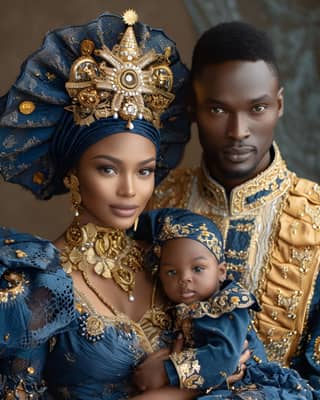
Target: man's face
237	105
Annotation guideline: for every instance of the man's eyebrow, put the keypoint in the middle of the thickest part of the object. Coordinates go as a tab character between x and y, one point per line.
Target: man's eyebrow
265	97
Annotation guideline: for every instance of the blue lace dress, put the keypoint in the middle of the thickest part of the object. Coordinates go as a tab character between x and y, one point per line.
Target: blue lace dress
53	345
52	342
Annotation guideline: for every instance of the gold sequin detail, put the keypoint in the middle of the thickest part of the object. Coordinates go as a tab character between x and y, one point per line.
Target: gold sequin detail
9	241
316	350
20	254
27	107
30	370
188	369
38	178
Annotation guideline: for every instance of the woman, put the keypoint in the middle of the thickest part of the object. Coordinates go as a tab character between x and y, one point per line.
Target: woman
102	118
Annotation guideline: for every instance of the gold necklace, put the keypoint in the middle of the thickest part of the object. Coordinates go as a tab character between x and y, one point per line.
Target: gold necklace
108	251
97	293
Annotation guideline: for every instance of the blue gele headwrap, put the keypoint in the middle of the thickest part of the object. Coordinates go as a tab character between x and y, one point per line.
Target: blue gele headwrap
34	152
159	226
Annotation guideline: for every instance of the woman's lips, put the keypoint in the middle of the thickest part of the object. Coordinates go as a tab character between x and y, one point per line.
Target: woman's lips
124	211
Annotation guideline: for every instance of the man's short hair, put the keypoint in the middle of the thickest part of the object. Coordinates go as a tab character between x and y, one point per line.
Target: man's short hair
232	41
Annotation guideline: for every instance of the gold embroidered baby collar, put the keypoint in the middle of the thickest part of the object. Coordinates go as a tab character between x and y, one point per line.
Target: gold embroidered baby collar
124	82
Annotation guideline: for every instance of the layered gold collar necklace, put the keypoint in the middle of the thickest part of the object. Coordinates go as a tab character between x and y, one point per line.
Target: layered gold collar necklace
109	252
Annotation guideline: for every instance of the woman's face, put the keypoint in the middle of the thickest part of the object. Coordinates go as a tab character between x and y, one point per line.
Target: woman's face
116	179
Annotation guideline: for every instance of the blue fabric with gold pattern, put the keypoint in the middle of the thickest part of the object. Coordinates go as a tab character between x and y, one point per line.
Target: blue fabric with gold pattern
32	284
272	248
33	114
164	224
214	332
52	340
36	303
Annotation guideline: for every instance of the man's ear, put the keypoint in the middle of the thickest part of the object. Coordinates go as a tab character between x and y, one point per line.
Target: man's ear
280	100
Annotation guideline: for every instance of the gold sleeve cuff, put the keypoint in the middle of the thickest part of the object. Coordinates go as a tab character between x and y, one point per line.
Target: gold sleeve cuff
188	369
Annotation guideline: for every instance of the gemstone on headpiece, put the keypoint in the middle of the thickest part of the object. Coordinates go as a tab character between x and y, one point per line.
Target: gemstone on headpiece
125	83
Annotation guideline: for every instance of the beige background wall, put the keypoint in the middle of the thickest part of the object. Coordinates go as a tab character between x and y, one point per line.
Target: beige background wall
23	24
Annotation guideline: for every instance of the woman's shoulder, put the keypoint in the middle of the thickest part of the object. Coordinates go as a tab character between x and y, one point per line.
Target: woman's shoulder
36	295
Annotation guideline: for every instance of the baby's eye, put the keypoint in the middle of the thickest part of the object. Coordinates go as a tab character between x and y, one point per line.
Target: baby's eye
197	268
171	272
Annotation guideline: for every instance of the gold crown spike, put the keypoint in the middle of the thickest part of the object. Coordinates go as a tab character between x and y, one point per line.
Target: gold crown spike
125	84
130	17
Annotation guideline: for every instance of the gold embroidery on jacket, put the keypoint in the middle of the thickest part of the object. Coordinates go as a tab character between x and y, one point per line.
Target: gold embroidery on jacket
283	226
188	369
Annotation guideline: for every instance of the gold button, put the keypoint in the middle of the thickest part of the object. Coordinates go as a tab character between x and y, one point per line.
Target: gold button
38	177
27	107
9	241
20	254
6	337
30	370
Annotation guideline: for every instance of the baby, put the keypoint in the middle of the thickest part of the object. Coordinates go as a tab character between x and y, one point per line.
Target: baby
213	314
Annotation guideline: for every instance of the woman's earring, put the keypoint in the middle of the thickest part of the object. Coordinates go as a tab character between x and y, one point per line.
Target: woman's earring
71	182
135	225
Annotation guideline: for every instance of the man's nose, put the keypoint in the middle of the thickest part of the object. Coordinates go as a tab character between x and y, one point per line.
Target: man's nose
238	127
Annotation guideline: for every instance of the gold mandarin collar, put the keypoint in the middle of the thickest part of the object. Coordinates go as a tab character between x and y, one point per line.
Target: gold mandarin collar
266	186
110	252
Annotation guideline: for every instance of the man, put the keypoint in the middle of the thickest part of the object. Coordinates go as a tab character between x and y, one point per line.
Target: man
270	218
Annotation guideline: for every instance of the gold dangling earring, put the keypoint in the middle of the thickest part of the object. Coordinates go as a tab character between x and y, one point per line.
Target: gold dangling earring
74	234
71	182
135	225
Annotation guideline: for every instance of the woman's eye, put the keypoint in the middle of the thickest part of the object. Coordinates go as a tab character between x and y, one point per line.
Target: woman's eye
146	171
197	268
259	108
107	170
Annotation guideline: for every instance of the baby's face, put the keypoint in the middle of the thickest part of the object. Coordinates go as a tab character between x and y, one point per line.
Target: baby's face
188	271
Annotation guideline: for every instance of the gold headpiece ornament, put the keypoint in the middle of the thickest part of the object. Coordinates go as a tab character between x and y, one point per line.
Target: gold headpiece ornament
126	84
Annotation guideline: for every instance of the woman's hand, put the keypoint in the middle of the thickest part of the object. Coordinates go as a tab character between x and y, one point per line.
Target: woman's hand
167	393
151	374
239	373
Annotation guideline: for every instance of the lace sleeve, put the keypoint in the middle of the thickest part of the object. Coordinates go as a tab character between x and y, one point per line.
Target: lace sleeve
36	296
22	374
